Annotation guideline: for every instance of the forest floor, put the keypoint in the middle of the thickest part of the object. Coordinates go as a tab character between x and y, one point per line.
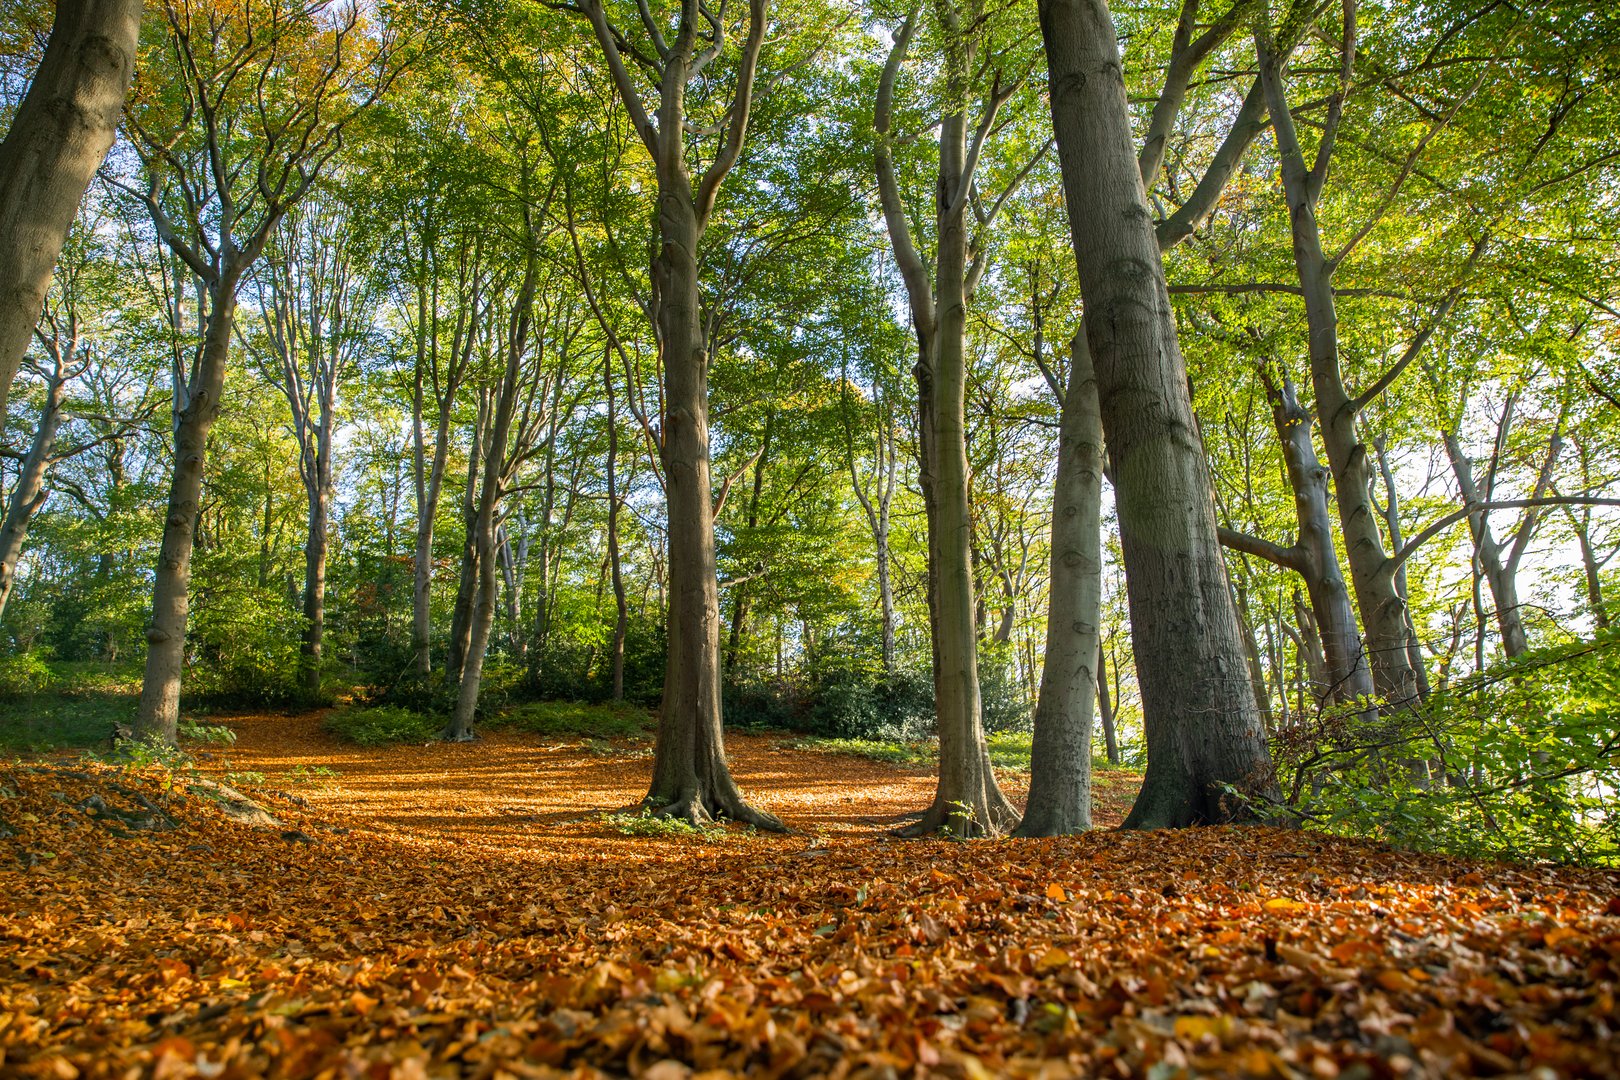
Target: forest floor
464	910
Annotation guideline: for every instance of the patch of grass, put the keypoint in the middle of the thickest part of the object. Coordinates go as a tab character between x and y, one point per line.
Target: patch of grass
247	776
607	720
1008	750
382	725
322	776
646	823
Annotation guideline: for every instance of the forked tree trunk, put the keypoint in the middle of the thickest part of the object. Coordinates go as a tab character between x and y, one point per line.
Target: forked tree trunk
58	138
159	713
1059	785
1202	722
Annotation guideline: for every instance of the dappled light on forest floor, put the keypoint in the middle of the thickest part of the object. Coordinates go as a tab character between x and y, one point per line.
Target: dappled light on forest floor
463	910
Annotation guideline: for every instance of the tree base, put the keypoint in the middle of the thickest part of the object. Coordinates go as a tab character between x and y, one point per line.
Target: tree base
453	734
698	810
963	820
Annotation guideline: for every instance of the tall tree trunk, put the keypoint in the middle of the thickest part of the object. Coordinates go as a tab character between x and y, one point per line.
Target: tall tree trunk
159	713
486	518
461	615
1060	786
315	549
691	779
621	608
1202	722
1383	612
58	138
28	494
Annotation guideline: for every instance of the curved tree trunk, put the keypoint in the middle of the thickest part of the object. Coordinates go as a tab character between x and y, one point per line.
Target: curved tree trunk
1059	782
62	131
1202	722
159	713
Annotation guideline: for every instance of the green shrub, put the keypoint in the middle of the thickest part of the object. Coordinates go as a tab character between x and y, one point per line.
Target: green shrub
381	725
598	721
213	734
25	673
645	823
1520	761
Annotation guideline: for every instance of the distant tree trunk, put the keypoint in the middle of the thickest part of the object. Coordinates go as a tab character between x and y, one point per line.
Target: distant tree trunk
1105	707
1392	522
1202	722
621	608
158	716
1383	612
58	138
967	800
28	494
486	518
1059	786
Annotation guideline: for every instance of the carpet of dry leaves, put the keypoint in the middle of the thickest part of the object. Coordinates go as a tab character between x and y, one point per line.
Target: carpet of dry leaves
463	911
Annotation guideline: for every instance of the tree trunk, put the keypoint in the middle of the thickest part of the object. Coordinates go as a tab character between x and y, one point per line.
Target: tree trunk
1202	722
691	779
28	494
315	550
159	713
58	138
1383	612
1105	707
621	608
1060	753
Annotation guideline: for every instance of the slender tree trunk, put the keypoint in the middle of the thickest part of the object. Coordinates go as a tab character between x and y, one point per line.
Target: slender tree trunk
315	551
28	494
1059	780
1392	522
159	713
1383	612
1202	722
1105	707
58	138
621	608
461	616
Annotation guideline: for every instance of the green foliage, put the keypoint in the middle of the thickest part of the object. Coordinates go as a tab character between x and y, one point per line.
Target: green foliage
1009	751
595	721
213	734
25	673
383	725
1521	761
69	706
646	823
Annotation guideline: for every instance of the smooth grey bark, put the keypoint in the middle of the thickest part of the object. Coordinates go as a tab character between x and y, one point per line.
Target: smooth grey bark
28	492
967	800
1105	707
1313	555
1498	562
517	411
440	378
466	603
158	715
1059	784
1392	522
58	138
1202	722
876	497
621	607
691	779
308	293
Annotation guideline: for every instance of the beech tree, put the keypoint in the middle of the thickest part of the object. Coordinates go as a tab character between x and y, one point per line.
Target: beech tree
57	140
235	117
